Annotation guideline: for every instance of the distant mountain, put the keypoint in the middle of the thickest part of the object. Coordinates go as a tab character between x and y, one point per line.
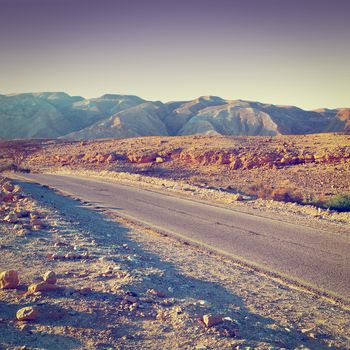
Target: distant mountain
46	115
56	114
141	120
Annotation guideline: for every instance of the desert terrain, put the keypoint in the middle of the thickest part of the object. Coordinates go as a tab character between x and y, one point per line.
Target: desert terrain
121	285
310	167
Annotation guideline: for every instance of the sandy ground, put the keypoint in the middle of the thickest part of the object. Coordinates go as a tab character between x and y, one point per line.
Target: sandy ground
124	287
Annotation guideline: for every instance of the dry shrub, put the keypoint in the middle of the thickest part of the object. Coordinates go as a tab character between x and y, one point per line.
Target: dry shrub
285	192
339	202
260	190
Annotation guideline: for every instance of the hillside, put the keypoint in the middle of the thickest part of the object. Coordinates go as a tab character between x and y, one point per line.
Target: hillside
52	115
46	115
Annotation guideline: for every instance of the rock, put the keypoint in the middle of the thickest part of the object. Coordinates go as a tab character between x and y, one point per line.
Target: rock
9	279
85	291
156	293
57	256
72	256
111	158
37	222
34	216
8	187
212	320
8	197
22	213
11	218
16	189
159	160
41	287
68	291
237	197
50	277
24	327
129	299
142	158
23	232
29	313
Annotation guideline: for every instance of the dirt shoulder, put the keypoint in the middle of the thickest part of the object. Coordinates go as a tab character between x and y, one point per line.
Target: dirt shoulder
122	287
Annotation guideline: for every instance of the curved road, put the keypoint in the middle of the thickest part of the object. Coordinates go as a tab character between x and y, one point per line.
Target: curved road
318	258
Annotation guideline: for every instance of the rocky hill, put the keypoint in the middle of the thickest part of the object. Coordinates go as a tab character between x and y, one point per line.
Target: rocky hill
50	115
47	115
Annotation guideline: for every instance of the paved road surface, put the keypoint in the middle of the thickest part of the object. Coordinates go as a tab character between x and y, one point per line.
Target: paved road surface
312	256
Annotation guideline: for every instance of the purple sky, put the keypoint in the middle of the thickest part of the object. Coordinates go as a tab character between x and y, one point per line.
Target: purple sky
279	51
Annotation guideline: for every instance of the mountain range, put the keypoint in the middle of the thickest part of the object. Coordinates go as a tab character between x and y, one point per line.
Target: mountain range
57	114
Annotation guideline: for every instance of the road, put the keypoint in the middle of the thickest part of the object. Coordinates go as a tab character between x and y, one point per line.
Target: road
314	257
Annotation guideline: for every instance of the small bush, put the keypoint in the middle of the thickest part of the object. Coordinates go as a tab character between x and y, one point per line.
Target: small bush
340	202
285	192
260	190
14	168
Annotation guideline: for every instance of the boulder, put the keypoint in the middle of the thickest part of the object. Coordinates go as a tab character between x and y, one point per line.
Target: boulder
29	313
9	279
50	277
212	320
142	158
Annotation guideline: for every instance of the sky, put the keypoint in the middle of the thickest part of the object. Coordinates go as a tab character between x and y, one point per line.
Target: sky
291	52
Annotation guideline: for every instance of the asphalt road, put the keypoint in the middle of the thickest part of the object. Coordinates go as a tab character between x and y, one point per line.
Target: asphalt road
318	258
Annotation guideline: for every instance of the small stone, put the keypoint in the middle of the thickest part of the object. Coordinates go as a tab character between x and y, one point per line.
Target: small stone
8	187
17	189
237	198
212	320
68	291
50	277
29	313
37	222
130	299
41	287
9	279
108	270
156	293
57	256
11	218
72	256
85	291
23	232
24	327
22	213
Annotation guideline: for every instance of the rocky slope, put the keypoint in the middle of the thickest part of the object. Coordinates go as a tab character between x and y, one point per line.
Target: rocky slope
312	166
47	115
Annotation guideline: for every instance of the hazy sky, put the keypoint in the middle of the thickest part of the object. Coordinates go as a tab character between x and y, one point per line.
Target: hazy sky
278	51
